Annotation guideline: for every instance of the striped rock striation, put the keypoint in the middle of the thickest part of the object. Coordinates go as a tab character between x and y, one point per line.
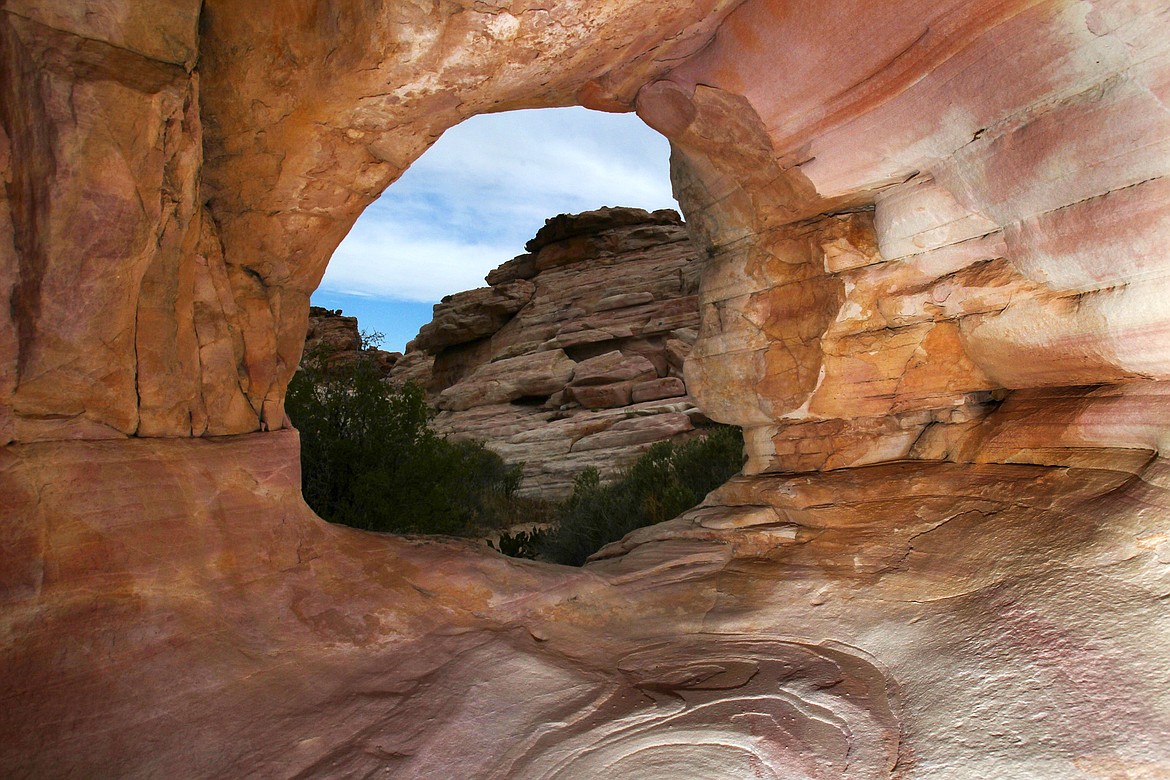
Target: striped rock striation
934	292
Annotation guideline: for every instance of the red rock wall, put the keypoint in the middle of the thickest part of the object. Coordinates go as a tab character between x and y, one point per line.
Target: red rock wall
103	150
936	237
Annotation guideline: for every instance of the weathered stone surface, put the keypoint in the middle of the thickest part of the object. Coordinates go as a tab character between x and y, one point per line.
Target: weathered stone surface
970	276
543	440
415	366
472	315
592	224
180	231
104	148
336	338
934	233
613	367
637	430
540	374
166	33
657	389
927	593
602	396
519	267
331	331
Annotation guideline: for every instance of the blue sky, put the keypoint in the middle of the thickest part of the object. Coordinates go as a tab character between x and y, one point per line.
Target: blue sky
475	197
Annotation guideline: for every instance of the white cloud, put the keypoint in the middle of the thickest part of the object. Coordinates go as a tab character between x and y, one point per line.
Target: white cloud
485	187
385	260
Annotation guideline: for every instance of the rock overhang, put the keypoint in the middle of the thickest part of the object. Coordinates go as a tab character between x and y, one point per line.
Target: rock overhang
934	233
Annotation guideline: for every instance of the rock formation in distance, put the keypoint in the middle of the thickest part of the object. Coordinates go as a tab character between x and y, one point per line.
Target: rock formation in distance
573	356
332	336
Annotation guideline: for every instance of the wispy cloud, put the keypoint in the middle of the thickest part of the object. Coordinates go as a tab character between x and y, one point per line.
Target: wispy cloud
385	260
486	187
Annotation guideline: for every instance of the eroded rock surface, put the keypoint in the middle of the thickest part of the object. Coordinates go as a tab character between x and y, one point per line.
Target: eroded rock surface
882	268
177	176
934	294
572	358
897	620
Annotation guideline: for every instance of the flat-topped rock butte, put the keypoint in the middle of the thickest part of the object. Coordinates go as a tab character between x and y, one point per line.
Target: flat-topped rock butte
935	293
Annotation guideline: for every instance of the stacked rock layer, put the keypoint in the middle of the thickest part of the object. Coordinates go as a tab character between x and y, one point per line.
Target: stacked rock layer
573	357
934	293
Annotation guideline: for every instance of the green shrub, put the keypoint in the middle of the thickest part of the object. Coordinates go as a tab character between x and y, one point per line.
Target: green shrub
662	484
369	459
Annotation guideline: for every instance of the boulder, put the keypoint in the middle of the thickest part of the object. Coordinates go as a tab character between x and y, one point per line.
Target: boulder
471	315
602	396
612	367
637	430
657	389
519	267
594	223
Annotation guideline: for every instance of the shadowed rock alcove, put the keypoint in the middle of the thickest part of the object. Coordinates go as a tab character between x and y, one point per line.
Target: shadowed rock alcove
934	296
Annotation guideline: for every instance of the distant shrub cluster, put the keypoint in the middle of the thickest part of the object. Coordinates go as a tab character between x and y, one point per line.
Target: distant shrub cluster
662	484
522	544
369	460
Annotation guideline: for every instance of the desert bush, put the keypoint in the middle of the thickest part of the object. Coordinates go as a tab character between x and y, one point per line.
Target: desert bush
369	459
662	484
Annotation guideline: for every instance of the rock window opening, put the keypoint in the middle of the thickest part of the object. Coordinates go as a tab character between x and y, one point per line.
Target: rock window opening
568	362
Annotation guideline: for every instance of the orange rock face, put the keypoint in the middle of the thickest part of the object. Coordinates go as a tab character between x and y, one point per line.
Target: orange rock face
983	212
191	617
935	295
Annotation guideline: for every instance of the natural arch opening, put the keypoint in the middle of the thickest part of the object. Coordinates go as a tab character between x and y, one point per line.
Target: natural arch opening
914	211
475	197
567	366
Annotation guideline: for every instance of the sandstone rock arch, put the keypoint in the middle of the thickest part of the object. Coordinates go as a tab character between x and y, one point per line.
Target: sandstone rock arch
936	298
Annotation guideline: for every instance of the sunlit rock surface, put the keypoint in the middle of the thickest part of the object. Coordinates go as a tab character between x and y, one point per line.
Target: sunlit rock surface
934	294
910	620
176	178
994	226
572	358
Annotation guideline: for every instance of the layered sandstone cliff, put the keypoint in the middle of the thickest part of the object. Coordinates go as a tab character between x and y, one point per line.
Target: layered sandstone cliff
572	358
933	291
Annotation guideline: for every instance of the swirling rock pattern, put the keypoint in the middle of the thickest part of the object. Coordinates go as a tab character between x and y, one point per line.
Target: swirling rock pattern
716	707
901	620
